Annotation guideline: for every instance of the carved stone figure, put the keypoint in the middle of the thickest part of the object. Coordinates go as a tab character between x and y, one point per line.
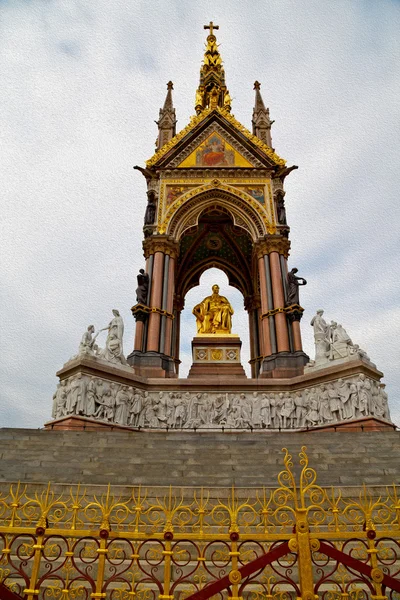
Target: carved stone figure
170	409
312	415
180	412
159	408
384	401
87	344
109	402
300	410
61	395
245	411
234	419
76	395
335	405
353	399
142	288
136	408
265	411
214	314
344	396
364	395
339	334
321	336
324	406
280	207
287	410
150	213
113	352
122	406
256	411
193	411
275	414
219	409
293	283
90	407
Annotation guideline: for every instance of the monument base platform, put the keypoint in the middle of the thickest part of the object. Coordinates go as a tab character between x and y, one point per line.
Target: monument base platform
218	396
216	355
80	423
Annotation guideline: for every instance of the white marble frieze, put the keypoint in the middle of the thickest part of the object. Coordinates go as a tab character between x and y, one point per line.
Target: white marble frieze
107	401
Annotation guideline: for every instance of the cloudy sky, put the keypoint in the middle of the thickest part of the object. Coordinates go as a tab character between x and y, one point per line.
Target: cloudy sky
81	86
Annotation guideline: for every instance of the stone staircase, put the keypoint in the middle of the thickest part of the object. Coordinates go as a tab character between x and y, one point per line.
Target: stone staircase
209	459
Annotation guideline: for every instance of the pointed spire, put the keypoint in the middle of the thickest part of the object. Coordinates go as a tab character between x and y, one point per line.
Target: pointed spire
212	91
261	121
167	119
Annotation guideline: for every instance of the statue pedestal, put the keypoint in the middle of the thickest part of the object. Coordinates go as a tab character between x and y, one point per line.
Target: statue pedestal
216	355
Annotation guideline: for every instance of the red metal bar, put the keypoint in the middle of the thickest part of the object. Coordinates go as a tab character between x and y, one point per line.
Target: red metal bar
7	594
245	571
357	565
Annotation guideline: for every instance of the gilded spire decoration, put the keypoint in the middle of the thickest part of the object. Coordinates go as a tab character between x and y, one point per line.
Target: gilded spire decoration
212	91
167	119
261	121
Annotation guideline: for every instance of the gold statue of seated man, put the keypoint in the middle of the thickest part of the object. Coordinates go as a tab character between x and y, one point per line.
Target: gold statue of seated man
214	314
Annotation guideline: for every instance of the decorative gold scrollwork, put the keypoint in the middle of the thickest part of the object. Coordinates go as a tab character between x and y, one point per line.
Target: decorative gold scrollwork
235	577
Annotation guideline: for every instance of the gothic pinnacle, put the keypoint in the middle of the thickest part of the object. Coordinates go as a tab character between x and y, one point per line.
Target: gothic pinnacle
261	121
212	91
167	119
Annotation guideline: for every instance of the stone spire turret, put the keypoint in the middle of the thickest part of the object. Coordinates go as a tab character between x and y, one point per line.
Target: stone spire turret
261	121
167	119
212	91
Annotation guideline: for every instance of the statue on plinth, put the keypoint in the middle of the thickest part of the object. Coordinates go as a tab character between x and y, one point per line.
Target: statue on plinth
113	352
293	283
214	314
142	289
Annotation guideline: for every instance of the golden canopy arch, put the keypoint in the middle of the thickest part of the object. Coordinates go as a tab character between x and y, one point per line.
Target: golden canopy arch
244	211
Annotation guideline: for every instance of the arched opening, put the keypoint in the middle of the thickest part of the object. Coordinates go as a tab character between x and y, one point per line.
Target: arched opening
240	319
215	241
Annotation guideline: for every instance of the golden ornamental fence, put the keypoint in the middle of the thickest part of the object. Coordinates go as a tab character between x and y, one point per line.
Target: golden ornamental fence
298	540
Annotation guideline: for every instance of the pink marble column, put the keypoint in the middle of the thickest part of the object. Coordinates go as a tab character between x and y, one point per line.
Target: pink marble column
170	306
153	336
282	335
297	344
139	328
265	337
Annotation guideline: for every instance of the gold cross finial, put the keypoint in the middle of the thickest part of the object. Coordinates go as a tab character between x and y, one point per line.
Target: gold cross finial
211	27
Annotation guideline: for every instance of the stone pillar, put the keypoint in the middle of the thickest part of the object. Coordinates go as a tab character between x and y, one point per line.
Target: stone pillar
170	306
152	353
270	303
164	303
139	330
282	335
282	353
297	345
176	334
252	304
266	348
153	336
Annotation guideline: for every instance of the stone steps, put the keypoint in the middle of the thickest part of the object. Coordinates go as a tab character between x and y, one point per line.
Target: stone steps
210	459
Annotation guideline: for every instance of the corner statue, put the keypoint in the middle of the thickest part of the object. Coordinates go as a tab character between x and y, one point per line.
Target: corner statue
214	314
293	283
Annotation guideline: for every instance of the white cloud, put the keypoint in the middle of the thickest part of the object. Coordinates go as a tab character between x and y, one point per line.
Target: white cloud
81	88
